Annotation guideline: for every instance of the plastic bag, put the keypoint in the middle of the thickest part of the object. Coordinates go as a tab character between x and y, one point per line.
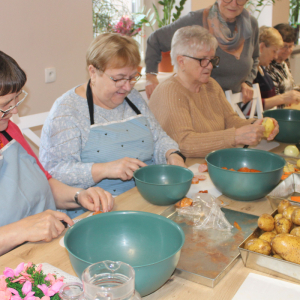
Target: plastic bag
206	213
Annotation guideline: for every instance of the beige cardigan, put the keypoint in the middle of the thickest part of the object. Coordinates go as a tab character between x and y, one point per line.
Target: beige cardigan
198	122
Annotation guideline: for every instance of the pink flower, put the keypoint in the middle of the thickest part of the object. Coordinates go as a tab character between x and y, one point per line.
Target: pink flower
39	268
8	272
5	295
52	290
3	283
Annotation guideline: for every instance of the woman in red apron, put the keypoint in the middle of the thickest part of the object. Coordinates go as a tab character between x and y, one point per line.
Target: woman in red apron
29	196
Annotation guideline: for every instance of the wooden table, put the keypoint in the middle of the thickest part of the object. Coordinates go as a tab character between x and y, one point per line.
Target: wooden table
175	288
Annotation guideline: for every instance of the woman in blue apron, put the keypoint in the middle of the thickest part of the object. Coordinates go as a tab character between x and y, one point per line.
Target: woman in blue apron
99	133
28	195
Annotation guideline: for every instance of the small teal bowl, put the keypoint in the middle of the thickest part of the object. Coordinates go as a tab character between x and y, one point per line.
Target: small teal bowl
150	243
244	186
289	124
163	184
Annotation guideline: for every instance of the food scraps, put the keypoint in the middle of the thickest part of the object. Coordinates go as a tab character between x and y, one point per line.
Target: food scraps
236	225
202	168
185	202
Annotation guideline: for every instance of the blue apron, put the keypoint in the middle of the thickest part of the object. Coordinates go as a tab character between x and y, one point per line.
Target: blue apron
24	188
114	140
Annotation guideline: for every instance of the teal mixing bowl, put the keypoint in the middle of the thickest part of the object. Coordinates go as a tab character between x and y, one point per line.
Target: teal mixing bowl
150	243
244	186
289	124
163	184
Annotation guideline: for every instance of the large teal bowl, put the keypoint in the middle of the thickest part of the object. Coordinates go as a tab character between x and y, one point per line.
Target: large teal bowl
244	186
289	124
163	184
150	243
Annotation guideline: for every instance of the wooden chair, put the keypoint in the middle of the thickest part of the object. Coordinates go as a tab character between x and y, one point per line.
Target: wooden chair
27	122
256	107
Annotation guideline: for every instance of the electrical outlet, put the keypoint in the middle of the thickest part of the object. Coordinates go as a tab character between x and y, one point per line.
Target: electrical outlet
50	75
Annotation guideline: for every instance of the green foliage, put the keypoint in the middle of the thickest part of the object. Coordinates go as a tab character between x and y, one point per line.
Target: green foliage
168	17
256	6
105	13
144	18
294	12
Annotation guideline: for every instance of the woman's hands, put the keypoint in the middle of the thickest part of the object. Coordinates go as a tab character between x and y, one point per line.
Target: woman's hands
174	159
151	83
44	226
118	169
247	92
93	197
252	134
291	97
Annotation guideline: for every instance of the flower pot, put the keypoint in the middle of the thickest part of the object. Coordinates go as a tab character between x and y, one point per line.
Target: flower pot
165	65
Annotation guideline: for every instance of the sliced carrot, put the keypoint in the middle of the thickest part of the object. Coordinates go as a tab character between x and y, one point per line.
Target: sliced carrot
237	226
97	212
205	191
244	169
225	168
231	169
288	173
195	180
295	198
184	202
284	176
254	171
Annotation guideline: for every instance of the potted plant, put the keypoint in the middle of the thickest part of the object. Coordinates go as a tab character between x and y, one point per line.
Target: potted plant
294	16
168	17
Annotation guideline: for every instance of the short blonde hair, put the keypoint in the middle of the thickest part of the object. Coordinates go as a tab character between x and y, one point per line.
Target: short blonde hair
114	51
189	40
270	36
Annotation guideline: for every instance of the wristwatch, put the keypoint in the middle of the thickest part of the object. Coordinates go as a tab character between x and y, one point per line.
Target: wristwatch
180	154
76	197
249	83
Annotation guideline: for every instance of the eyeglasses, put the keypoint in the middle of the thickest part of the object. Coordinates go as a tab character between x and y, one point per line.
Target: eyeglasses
121	82
204	62
238	2
18	99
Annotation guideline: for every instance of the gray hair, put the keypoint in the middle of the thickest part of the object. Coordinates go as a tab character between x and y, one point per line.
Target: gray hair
189	40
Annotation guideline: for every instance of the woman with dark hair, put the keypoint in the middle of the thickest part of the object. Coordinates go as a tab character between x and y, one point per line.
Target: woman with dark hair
29	195
279	69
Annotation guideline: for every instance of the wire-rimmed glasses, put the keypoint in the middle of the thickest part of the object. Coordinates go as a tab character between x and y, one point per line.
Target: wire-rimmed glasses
18	99
121	82
204	62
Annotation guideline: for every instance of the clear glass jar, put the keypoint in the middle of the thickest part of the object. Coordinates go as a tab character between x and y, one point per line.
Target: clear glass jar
106	280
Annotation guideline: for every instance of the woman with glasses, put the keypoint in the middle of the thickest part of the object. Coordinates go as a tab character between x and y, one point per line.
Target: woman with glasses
191	106
100	132
29	196
237	35
279	69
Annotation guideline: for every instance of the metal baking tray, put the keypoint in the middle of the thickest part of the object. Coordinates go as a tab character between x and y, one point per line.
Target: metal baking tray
284	190
208	255
268	264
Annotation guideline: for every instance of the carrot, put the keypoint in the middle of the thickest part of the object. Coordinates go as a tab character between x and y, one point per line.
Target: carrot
97	212
184	202
195	180
288	173
203	191
237	226
295	198
225	168
284	176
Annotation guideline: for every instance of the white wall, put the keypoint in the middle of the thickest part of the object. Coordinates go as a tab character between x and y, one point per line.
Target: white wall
47	33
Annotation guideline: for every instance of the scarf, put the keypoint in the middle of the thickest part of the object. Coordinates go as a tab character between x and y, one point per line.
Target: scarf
232	43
